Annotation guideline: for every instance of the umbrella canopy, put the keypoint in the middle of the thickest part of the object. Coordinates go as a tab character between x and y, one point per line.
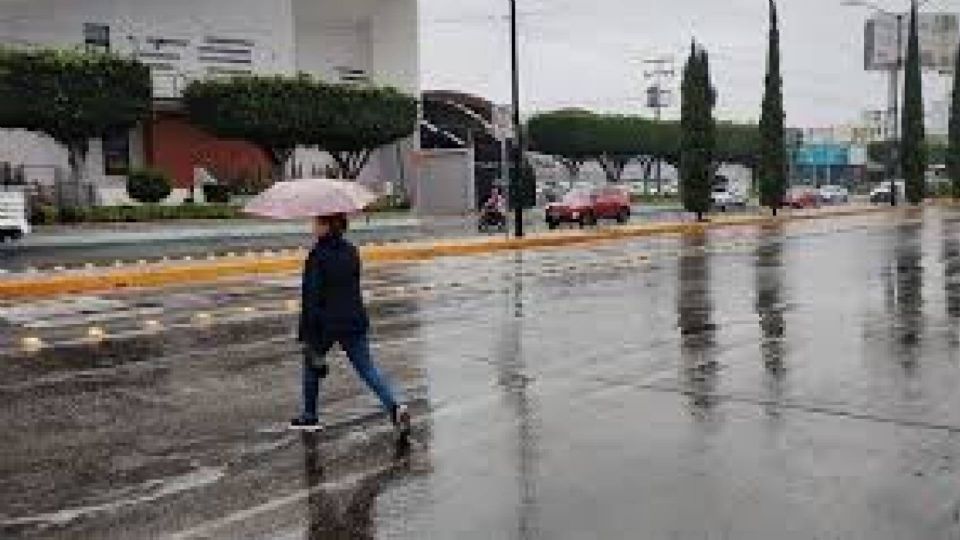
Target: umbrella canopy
310	198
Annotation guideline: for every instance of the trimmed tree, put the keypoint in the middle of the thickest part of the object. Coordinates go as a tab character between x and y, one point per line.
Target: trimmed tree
772	168
72	97
697	135
913	153
953	151
353	121
567	135
273	113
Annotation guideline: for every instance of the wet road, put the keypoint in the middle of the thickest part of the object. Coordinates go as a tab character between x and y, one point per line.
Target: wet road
798	382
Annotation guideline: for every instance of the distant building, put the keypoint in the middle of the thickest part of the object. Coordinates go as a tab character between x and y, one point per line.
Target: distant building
354	41
834	154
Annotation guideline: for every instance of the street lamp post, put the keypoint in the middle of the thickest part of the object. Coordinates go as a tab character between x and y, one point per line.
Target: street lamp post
517	133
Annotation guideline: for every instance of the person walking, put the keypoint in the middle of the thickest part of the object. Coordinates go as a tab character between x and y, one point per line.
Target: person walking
333	313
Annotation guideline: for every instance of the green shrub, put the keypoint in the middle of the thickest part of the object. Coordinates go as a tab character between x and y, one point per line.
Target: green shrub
148	185
146	212
217	193
389	203
43	214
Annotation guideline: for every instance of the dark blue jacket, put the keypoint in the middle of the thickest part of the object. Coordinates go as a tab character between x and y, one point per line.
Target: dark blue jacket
332	299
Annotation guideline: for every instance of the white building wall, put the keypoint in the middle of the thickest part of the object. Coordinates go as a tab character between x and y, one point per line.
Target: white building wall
135	23
377	37
396	58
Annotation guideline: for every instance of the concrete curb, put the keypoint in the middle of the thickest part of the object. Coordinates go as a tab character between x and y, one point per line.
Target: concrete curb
160	274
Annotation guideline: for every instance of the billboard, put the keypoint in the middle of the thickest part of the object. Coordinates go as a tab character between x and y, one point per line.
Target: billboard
939	36
822	155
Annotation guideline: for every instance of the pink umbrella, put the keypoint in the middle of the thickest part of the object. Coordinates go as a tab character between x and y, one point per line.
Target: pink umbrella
310	198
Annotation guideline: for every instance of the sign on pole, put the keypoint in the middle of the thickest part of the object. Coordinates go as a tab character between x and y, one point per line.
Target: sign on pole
939	36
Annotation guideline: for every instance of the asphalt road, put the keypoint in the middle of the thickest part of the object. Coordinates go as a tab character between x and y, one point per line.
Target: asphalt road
105	244
793	383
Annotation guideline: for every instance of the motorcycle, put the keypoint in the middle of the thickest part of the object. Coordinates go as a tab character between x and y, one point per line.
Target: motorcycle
492	219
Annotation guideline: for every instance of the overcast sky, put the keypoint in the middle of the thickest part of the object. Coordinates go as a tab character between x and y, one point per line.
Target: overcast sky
589	52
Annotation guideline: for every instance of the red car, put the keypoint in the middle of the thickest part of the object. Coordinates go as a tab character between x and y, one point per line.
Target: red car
587	207
802	197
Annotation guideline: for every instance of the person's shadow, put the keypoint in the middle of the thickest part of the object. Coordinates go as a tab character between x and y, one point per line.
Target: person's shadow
345	511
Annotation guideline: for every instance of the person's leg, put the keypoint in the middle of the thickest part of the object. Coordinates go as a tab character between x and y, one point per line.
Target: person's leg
314	370
310	390
358	351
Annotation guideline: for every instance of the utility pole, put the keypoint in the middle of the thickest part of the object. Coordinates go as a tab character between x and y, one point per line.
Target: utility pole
895	95
517	134
894	108
658	69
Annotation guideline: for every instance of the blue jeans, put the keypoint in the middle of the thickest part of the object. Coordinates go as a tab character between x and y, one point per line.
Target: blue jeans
357	348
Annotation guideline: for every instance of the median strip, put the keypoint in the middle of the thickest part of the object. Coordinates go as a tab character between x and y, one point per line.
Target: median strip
161	274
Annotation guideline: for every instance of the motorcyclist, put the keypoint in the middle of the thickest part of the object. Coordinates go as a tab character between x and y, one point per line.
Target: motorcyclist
496	204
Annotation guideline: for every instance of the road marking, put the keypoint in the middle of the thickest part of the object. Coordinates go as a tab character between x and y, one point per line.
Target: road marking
204	530
169	486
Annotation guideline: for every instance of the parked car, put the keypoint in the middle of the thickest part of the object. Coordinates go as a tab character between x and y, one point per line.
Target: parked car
14	223
802	197
834	195
638	189
723	198
586	207
881	193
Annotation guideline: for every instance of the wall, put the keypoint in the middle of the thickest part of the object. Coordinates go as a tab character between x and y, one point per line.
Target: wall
396	42
445	183
178	147
134	22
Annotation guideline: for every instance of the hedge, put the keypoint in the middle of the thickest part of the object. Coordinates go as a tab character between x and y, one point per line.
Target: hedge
46	215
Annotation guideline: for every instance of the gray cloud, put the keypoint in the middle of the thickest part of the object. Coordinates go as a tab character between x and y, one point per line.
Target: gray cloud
588	53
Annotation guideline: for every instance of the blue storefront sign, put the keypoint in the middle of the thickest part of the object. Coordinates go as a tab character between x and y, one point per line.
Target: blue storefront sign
822	155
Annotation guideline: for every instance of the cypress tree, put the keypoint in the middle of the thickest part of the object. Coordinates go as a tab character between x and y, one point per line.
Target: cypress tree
697	133
953	152
772	168
912	147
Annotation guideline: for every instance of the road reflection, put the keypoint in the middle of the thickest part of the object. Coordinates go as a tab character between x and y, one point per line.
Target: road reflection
346	513
699	368
908	282
770	311
950	257
515	382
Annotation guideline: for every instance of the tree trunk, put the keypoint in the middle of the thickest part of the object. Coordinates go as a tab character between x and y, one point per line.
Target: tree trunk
774	211
278	162
699	217
351	164
69	195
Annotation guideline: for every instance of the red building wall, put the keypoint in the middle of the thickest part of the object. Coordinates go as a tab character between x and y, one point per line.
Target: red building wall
177	147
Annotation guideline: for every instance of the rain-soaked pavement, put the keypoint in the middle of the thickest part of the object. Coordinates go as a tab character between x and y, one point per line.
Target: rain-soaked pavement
800	382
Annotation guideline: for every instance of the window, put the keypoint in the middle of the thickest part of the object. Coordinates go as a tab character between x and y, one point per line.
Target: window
96	37
116	152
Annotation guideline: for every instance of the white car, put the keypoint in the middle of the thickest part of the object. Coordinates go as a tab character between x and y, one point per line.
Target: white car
834	195
722	198
881	193
13	216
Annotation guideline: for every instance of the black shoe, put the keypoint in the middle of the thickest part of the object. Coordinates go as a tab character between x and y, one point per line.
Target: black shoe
302	424
401	420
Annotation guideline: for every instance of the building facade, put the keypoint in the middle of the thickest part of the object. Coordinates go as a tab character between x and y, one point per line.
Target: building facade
183	40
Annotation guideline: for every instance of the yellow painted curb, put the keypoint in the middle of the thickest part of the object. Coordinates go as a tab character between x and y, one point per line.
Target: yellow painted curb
160	274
